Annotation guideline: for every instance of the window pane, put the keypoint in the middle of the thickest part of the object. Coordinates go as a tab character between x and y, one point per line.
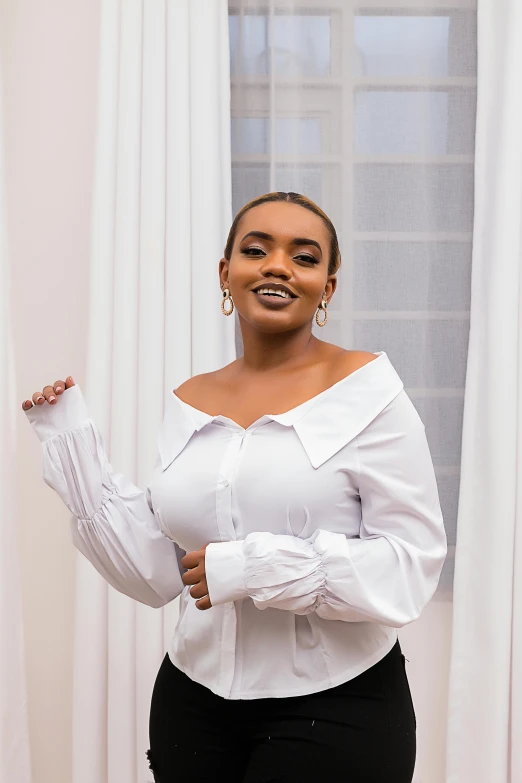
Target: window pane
393	197
419	349
249	52
412	275
415	46
442	417
414	122
293	135
301	45
250	135
248	181
298	135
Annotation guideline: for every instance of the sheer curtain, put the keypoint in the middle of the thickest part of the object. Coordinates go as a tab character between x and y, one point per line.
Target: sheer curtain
485	715
369	108
15	764
161	212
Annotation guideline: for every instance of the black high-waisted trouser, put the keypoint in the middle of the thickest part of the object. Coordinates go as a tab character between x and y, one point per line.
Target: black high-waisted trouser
362	731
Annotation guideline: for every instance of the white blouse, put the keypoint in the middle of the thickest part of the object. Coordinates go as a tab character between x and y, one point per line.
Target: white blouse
324	527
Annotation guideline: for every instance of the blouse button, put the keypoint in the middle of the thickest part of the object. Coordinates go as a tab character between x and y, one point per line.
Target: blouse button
225	483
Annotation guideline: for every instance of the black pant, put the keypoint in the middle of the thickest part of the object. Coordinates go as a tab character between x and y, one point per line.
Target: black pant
362	731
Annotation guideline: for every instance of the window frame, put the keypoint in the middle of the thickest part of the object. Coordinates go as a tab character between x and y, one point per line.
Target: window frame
342	84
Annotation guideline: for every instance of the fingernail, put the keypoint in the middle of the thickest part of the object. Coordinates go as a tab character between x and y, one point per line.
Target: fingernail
58	389
70	379
51	398
39	398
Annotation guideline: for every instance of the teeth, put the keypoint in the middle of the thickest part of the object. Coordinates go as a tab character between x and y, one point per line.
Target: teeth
284	294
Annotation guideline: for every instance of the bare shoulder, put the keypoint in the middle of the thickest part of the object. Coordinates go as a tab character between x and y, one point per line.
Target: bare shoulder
197	390
360	358
344	362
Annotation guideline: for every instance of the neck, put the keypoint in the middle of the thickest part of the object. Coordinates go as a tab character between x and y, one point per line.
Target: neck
264	351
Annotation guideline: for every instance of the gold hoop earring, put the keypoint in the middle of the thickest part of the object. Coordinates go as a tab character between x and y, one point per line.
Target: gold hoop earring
227	297
322	307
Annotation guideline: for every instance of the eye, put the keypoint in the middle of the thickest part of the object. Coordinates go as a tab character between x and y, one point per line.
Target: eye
252	251
256	252
308	258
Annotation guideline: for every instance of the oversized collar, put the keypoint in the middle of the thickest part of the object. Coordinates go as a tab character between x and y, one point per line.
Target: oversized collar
324	424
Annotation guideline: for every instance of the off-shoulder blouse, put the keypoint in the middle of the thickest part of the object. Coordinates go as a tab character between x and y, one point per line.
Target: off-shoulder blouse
324	527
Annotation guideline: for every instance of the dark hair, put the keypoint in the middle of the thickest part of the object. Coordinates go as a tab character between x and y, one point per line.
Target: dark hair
294	198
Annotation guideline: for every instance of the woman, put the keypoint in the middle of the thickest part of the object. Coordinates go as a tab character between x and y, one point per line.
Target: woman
300	540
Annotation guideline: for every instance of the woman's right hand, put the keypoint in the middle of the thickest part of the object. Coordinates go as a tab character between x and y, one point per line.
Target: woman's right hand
49	394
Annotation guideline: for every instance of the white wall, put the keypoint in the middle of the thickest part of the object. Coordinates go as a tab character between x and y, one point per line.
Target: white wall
49	53
49	58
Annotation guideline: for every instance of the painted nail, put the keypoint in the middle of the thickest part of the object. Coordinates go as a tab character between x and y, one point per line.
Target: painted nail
39	398
58	389
51	398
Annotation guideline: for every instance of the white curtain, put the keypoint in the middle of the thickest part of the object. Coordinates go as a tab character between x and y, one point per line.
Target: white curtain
369	109
485	711
162	209
14	723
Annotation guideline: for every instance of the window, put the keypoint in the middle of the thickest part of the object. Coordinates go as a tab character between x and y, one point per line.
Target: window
369	109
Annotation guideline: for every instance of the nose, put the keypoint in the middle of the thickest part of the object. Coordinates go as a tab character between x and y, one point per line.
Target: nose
276	263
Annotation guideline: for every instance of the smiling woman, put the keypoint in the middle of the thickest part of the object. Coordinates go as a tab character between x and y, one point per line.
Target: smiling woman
341	542
296	236
293	507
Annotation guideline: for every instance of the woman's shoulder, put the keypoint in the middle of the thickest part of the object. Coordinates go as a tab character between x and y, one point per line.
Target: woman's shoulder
343	362
196	390
336	362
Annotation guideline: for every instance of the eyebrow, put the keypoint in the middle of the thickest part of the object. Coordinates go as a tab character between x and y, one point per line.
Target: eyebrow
295	241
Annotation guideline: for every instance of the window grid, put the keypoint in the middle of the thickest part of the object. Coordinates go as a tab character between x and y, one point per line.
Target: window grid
340	87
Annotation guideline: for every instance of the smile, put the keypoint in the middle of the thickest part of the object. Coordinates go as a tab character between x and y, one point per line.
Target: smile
267	291
272	298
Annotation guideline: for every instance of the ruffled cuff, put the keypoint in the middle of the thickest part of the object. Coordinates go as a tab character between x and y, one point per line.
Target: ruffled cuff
283	572
68	412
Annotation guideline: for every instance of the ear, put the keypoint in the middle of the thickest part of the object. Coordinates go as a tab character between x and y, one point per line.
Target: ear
330	286
223	272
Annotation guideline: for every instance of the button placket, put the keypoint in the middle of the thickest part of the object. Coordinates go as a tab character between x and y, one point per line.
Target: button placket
228	533
223	493
243	437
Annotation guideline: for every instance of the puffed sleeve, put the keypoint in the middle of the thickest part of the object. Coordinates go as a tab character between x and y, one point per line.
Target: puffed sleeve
386	575
113	522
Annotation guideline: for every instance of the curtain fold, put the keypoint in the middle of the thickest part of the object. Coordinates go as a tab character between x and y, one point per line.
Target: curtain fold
15	764
485	699
162	209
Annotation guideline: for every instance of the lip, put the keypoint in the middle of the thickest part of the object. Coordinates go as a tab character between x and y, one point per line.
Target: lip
274	302
275	287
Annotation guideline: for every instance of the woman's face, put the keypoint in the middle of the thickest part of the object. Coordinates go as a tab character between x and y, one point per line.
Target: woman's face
279	244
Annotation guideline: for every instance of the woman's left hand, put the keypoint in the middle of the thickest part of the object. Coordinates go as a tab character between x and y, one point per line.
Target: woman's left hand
196	575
